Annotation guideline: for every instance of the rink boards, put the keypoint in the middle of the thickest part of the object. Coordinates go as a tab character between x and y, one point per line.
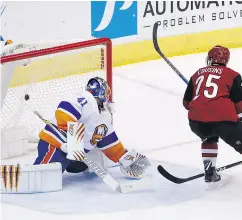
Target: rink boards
176	45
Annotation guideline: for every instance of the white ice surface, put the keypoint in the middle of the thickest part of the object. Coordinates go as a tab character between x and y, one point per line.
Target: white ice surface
149	117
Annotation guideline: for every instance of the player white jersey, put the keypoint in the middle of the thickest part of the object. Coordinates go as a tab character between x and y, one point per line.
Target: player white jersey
83	108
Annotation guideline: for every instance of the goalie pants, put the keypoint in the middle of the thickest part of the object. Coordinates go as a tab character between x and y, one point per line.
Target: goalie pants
210	132
50	154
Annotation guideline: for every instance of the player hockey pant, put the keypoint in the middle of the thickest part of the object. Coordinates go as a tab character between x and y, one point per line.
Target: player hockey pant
230	132
50	154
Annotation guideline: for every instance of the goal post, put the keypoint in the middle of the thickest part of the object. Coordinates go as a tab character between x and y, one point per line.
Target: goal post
48	73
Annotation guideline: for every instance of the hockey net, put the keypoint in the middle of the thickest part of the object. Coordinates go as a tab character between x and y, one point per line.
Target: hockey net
47	72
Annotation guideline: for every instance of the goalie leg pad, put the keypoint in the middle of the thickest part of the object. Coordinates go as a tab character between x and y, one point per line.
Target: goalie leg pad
31	178
50	154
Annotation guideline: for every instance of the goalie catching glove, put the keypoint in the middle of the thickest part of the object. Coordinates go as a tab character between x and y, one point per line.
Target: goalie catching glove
133	164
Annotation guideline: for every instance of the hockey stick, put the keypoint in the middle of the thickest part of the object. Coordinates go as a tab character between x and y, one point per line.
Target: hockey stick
160	168
105	176
178	180
157	48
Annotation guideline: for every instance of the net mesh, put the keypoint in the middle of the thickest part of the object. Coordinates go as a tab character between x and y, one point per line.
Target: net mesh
46	80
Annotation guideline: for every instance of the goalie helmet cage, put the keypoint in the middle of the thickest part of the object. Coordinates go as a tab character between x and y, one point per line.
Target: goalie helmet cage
47	75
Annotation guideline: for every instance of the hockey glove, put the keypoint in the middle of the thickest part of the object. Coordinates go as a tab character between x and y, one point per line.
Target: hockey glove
133	164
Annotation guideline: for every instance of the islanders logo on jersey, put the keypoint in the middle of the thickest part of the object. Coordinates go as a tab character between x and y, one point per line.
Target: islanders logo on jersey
99	133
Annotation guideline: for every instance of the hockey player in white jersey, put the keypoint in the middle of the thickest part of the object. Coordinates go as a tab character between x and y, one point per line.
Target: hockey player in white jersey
92	111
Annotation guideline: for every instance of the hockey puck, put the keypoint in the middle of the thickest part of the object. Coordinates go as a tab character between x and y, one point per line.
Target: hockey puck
26	97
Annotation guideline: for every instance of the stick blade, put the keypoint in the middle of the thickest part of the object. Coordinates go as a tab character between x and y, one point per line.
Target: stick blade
177	180
168	176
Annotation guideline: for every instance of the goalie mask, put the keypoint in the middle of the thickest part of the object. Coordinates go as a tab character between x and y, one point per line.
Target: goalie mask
99	89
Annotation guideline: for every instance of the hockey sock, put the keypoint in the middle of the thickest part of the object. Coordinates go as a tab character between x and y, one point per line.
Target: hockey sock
210	152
